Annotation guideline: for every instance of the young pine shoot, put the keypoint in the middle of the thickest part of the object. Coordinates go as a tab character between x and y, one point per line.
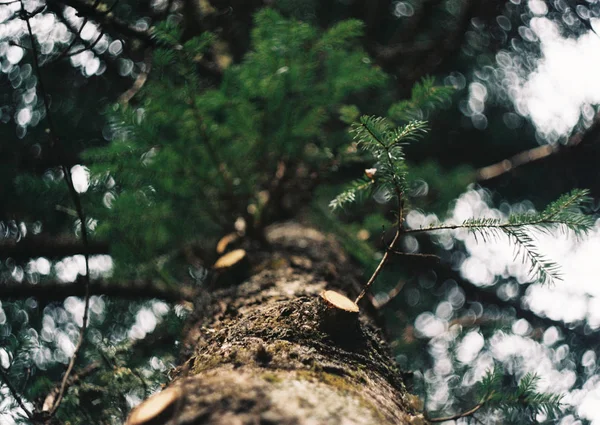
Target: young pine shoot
389	177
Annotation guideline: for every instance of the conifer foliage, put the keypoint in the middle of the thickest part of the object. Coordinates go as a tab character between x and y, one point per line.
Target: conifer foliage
208	166
389	175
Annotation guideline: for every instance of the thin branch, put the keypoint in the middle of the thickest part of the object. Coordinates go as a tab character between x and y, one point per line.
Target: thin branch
538	153
137	289
505	226
522	158
76	36
14	393
89	47
139	81
380	266
49	247
109	21
50	399
416	255
459	415
76	200
393	293
399	230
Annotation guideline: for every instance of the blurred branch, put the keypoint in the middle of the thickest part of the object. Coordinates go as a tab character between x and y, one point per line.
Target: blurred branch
522	158
139	81
57	144
389	296
58	291
538	153
49	247
108	20
50	399
111	62
76	36
14	393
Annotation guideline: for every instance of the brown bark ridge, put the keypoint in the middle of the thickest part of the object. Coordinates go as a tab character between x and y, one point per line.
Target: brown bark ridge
271	351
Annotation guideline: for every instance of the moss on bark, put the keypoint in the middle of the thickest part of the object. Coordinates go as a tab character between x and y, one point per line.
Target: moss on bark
263	354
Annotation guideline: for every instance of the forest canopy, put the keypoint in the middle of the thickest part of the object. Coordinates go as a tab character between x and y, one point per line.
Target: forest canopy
447	146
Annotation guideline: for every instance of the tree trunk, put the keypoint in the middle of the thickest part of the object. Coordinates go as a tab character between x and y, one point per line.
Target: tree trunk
271	351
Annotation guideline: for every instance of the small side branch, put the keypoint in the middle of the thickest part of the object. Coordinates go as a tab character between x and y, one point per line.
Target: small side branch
50	399
49	247
57	291
539	153
458	415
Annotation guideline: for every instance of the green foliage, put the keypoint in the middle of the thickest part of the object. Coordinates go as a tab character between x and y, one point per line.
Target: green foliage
194	159
524	401
425	97
385	145
375	136
563	214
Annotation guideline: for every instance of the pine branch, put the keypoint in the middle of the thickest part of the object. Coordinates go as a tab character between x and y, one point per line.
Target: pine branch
425	96
349	195
563	213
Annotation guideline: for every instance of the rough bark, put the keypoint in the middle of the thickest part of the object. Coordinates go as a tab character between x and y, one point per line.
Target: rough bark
268	352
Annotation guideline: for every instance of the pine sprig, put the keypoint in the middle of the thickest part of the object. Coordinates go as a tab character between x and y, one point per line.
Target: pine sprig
524	399
375	135
425	96
528	400
350	194
564	213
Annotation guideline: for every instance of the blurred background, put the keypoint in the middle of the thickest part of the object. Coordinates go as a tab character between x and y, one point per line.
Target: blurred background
180	122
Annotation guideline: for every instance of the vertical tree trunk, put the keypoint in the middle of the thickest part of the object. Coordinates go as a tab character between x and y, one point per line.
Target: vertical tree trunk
270	351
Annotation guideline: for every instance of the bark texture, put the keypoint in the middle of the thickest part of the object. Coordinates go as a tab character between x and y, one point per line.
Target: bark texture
267	352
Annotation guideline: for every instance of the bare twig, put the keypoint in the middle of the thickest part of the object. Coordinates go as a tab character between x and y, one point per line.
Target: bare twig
460	415
416	255
50	399
389	296
522	158
49	247
14	393
76	36
57	291
108	20
139	81
76	200
83	49
538	153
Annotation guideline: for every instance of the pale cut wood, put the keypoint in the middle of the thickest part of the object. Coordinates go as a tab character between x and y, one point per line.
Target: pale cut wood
230	259
339	301
225	241
153	406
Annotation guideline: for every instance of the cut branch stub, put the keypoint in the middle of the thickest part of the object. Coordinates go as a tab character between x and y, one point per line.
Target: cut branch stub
232	268
339	314
336	300
226	242
157	409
